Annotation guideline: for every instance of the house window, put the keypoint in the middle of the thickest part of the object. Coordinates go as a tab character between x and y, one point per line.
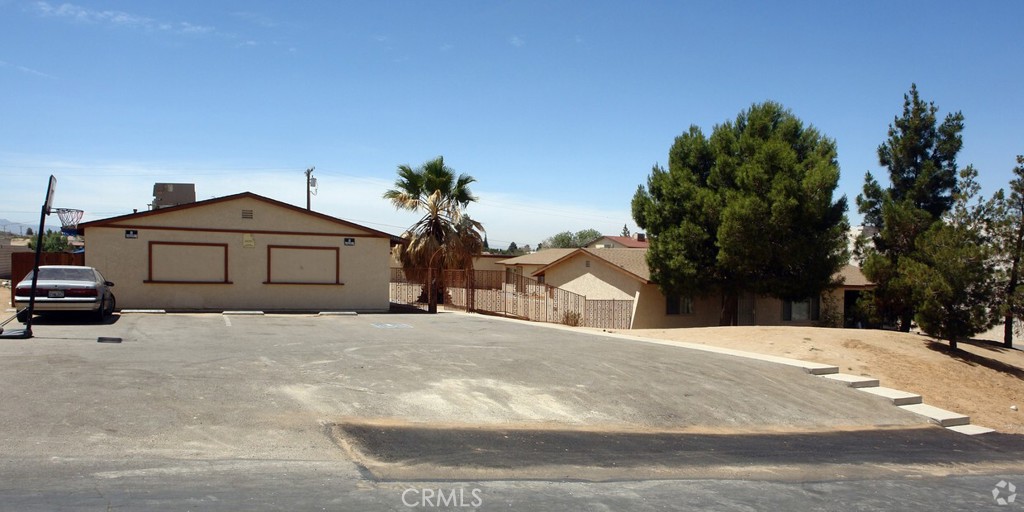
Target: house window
678	305
800	310
540	279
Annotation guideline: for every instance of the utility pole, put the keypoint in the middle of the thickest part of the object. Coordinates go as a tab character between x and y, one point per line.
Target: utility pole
310	183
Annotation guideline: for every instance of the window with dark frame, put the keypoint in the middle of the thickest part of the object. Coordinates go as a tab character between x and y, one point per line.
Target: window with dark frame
678	305
801	310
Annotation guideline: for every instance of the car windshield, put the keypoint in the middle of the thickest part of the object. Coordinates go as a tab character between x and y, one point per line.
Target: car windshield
64	274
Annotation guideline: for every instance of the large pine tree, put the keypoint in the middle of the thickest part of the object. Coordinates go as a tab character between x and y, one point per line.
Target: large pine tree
920	157
1010	244
749	209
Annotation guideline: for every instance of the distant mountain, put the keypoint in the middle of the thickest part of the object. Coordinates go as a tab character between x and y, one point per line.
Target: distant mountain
17	228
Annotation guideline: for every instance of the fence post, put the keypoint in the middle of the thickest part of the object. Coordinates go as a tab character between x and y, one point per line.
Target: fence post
470	290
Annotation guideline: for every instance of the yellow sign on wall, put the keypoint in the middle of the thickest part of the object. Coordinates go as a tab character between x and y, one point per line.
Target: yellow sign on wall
248	242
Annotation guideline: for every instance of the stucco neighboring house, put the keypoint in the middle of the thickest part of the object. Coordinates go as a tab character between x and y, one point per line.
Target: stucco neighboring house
489	262
7	247
527	264
636	241
854	283
243	251
623	274
480	262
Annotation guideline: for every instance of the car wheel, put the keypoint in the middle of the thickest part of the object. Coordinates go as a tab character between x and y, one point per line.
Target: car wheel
101	313
112	306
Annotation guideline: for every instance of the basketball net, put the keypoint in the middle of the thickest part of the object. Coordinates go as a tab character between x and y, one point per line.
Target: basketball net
69	218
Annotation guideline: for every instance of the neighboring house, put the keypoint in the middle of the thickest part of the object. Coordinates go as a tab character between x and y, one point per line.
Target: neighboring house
854	283
243	251
637	241
623	274
480	262
9	246
489	261
527	264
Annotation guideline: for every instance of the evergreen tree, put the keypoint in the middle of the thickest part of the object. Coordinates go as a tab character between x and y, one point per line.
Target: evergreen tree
954	269
1010	246
920	156
749	209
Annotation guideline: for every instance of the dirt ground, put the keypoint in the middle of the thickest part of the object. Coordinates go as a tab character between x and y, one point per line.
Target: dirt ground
982	380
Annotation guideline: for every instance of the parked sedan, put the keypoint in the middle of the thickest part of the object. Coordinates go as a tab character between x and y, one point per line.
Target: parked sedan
63	288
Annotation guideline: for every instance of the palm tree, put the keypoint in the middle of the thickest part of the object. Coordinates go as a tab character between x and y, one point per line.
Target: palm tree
444	237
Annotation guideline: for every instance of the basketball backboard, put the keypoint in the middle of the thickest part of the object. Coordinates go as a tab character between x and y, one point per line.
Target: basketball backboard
50	190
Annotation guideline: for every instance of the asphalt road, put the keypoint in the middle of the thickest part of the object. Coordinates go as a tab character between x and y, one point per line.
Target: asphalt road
378	412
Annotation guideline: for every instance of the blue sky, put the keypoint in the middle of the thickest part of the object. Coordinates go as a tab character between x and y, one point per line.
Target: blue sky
559	109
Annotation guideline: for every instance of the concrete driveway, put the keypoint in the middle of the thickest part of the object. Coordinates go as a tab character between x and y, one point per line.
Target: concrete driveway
418	397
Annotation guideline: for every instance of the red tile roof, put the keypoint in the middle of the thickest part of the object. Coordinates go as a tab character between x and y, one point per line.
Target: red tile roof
627	241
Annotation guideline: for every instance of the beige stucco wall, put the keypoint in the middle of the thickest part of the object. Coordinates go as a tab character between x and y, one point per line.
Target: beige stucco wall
599	281
769	310
363	266
650	311
489	262
524	270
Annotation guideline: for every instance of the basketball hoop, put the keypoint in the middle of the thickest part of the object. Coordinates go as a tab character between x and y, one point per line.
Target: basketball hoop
69	218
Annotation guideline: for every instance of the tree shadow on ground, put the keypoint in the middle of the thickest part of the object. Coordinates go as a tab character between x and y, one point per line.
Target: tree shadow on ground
978	360
994	346
406	309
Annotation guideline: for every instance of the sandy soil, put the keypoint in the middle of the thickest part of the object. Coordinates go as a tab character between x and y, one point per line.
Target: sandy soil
982	380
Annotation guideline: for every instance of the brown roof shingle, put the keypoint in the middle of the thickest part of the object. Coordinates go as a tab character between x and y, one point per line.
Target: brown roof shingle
853	277
633	261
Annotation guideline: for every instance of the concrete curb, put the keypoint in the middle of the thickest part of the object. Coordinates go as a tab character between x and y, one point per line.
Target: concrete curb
902	399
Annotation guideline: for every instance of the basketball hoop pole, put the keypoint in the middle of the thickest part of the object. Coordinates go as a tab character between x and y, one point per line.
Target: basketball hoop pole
47	205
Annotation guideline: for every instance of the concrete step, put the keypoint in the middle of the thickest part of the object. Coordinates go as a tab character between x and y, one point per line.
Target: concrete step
896	396
854	381
941	416
971	430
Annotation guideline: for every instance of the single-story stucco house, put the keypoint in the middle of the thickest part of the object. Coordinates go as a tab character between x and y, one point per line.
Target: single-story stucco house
623	274
240	252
